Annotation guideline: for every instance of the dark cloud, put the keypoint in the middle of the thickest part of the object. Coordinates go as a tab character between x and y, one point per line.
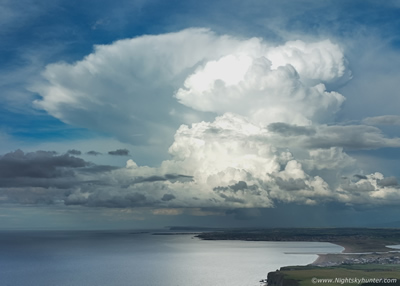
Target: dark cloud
220	189
44	177
291	184
359	188
350	137
383	120
167	177
232	199
239	186
232	193
388	182
39	164
98	169
93	153
150	179
25	182
168	197
108	199
178	178
290	130
119	152
74	152
360	177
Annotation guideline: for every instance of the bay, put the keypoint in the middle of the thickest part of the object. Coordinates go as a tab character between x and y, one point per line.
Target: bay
121	258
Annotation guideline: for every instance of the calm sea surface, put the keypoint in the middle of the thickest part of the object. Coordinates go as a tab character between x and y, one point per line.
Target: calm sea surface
142	259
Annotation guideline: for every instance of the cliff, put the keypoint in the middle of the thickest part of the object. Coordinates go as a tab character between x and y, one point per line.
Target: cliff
277	278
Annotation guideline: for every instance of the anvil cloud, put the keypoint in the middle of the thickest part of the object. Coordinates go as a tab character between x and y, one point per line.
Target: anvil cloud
254	125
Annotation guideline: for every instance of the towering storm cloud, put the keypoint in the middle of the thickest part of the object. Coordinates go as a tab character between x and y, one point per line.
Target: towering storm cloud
253	122
269	84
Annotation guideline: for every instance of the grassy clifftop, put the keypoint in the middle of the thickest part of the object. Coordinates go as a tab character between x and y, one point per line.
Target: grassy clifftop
370	274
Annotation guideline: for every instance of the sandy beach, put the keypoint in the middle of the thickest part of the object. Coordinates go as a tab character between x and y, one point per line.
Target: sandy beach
379	253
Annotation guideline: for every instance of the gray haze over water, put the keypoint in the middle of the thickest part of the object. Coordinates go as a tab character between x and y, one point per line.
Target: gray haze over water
121	258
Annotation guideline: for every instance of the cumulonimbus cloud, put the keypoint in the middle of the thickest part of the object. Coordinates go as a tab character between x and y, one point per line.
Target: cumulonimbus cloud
280	84
229	163
125	89
271	137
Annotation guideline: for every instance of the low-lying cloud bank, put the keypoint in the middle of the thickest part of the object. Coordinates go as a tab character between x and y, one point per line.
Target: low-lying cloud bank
271	137
217	173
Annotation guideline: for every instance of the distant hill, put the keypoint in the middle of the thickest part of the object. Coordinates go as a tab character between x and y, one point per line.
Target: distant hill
393	224
193	228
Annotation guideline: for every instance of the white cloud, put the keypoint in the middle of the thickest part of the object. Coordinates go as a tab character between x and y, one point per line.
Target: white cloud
228	163
371	190
321	61
221	164
225	144
269	84
126	88
332	158
269	142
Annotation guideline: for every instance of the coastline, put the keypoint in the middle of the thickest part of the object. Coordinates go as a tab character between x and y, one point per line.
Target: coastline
361	246
348	248
348	262
351	255
324	258
321	259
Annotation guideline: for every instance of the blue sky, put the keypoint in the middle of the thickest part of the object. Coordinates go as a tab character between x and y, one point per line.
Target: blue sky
152	113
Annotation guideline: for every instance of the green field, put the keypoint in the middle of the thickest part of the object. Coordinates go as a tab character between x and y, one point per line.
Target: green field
309	275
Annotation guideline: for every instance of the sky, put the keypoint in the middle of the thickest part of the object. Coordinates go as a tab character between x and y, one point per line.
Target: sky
223	113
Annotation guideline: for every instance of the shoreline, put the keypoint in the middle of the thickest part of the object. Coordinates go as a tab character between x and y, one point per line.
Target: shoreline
328	264
360	245
323	258
350	256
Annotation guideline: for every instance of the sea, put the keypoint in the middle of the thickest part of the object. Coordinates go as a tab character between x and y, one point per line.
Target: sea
143	258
